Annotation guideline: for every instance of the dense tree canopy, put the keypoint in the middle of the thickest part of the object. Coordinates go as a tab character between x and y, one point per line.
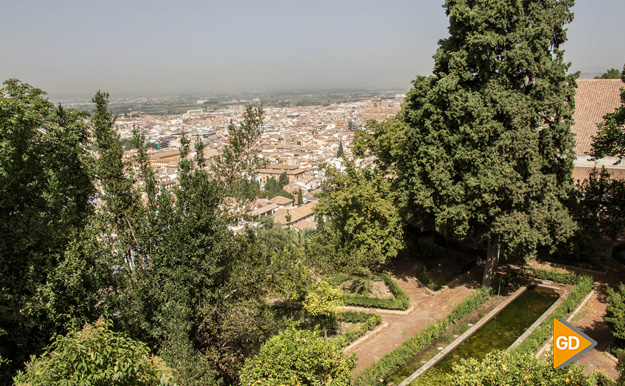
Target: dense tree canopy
184	284
489	147
45	192
364	226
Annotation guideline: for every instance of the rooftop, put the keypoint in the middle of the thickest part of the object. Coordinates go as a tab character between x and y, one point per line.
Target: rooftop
593	100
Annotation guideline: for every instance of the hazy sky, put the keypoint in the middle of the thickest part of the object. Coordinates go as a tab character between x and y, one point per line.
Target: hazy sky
166	47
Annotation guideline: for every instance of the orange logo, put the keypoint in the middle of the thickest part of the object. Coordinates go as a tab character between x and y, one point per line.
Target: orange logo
568	343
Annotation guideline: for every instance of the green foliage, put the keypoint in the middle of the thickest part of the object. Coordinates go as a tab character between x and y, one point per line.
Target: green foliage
184	284
360	285
366	322
597	378
505	368
298	357
283	180
239	159
46	192
364	224
612	73
385	140
340	151
127	143
565	277
357	317
95	356
272	185
538	337
324	300
615	311
426	280
400	301
599	208
620	366
300	197
396	358
468	305
610	139
274	188
489	151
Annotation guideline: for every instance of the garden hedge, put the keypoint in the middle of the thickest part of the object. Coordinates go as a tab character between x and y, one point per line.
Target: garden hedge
400	301
367	322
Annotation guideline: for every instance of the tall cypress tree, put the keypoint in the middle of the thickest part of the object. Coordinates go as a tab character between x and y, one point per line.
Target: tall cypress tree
488	138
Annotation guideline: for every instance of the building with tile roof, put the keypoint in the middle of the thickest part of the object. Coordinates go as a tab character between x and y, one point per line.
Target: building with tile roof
281	201
295	215
593	100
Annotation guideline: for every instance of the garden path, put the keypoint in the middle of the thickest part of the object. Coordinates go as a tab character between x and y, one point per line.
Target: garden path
427	307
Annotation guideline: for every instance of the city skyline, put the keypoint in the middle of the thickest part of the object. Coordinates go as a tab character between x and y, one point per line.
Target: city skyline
160	48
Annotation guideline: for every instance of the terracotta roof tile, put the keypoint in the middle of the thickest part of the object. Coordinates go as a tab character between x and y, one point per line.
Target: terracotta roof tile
593	100
280	200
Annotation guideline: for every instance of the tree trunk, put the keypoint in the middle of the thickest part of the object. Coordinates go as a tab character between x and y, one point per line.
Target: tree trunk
492	259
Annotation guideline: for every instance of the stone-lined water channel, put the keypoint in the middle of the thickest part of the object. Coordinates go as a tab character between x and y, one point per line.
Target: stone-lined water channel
497	334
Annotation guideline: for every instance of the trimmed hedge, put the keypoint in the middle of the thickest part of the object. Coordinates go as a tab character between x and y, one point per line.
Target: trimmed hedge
556	277
399	302
398	357
367	323
540	335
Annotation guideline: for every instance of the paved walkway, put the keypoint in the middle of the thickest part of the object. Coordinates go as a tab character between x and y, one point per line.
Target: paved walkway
427	307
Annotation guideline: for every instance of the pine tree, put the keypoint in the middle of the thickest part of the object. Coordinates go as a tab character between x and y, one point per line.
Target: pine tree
489	143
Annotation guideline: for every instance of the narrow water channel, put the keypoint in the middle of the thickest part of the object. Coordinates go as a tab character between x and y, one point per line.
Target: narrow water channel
497	334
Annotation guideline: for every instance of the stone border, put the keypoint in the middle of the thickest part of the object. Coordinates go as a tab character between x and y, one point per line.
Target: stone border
547	345
462	337
379	310
369	335
540	320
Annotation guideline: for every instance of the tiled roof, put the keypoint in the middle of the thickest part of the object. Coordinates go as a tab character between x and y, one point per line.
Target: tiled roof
280	200
305	225
263	210
296	214
593	100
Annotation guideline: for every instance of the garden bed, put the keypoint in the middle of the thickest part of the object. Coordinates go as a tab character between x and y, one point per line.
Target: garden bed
398	300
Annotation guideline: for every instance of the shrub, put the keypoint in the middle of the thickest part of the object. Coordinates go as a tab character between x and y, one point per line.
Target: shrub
505	368
615	311
597	378
400	301
426	280
557	277
367	323
94	356
298	357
